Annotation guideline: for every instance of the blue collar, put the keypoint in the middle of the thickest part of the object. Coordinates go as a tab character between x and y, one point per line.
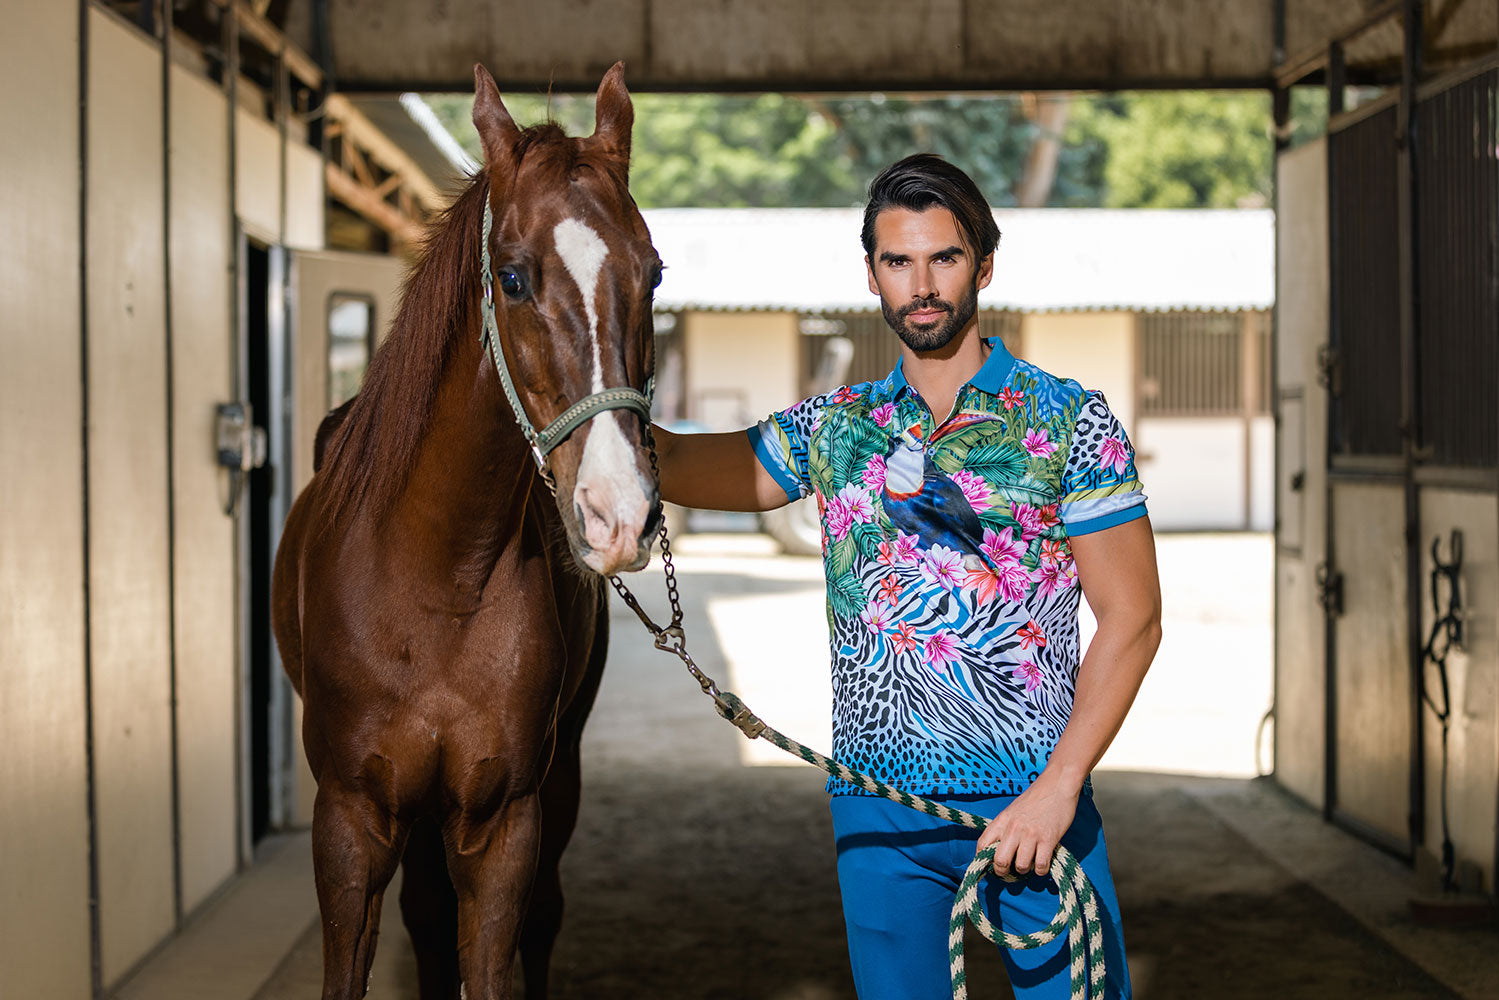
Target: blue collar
991	376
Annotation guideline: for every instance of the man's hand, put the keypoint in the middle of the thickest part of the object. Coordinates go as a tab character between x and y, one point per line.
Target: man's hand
1028	831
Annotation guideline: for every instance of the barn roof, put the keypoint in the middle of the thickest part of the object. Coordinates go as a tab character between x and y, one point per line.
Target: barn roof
1049	260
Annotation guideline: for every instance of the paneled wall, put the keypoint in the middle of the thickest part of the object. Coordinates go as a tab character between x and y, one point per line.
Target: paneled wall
129	591
44	838
118	563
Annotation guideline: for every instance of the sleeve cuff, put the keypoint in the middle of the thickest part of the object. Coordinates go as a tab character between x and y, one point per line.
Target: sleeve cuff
773	464
1107	520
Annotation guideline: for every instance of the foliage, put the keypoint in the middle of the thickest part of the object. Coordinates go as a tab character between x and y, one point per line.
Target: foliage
1181	149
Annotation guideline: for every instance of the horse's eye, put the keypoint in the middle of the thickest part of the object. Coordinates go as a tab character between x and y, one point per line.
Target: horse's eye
656	276
511	284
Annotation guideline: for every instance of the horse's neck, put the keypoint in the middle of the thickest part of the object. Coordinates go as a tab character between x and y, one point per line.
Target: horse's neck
473	478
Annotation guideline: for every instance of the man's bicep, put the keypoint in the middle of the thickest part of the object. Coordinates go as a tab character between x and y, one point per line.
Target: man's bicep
1117	568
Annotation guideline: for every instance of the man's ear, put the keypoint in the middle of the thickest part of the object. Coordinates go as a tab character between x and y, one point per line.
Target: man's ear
874	286
614	115
497	130
986	271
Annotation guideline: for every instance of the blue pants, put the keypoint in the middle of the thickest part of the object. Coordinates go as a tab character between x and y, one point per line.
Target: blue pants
899	869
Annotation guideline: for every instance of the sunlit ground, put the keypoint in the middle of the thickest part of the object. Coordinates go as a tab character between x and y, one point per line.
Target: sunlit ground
1198	711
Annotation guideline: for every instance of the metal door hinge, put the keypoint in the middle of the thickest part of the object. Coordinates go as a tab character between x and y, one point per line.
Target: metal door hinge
1329	590
1329	369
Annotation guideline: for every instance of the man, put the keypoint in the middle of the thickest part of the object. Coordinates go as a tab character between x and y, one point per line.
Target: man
966	499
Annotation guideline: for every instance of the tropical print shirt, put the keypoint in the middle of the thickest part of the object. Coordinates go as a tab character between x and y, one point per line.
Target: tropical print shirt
951	591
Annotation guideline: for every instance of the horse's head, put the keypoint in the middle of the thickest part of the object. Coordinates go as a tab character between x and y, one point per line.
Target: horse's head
574	270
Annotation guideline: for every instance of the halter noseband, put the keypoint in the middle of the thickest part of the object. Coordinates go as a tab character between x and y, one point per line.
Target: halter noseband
549	437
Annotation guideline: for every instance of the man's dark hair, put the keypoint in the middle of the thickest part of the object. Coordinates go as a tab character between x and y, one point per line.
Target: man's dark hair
925	180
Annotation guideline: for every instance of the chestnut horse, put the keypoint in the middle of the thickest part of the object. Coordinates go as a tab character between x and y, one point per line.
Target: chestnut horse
443	617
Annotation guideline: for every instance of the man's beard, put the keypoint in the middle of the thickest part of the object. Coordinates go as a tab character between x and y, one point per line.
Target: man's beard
937	335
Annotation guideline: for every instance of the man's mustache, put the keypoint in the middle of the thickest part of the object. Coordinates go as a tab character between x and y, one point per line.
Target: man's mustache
929	304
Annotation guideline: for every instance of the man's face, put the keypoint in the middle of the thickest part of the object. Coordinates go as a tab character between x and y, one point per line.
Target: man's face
925	276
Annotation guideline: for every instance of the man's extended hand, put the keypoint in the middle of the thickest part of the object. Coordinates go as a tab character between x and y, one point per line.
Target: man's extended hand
1028	831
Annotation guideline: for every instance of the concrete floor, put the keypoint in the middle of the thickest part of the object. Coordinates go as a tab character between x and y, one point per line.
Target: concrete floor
702	864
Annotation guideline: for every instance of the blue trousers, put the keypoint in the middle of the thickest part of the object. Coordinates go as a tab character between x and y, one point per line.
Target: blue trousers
899	869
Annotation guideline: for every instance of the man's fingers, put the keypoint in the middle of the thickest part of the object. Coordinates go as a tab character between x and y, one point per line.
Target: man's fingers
1025	854
1044	851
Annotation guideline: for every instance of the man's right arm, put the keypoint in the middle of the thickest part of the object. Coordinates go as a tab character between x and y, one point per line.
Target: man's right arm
714	472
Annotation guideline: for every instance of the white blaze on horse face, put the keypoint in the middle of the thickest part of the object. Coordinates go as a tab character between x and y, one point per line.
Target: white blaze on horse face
583	254
608	494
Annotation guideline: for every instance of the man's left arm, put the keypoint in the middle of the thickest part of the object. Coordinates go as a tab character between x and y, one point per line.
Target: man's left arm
1117	570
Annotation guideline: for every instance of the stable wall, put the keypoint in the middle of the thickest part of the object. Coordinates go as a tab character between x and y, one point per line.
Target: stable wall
1300	478
1473	676
44	843
129	588
203	556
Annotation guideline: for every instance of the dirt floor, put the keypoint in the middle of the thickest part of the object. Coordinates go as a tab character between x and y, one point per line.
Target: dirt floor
701	869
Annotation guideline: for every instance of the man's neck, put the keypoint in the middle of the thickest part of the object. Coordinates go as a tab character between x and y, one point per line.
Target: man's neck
938	375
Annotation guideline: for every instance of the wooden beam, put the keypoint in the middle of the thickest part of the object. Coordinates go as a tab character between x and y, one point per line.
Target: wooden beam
364	201
271	38
356	127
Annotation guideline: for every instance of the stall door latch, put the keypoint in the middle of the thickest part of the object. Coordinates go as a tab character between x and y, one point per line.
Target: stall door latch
1329	590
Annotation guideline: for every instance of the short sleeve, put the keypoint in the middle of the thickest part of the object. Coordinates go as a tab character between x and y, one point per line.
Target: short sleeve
1100	487
780	442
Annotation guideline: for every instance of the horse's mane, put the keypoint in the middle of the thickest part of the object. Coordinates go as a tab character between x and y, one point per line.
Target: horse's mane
371	450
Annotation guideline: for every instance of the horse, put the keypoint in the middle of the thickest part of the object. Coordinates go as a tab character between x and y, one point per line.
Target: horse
439	605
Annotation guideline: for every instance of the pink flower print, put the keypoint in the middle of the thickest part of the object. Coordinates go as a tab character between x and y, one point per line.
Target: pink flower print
1001	546
974	488
838	518
1113	453
903	639
874	472
888	556
941	649
1051	577
856	501
875	616
1031	636
1029	519
942	566
1014	582
1038	442
889	589
1011	398
883	414
906	547
1047	516
1055	550
1030	673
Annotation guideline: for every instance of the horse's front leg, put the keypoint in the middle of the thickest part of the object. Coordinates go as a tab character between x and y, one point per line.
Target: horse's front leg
493	862
356	846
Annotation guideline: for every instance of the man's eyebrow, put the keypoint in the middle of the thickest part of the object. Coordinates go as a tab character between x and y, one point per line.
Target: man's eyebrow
952	251
891	257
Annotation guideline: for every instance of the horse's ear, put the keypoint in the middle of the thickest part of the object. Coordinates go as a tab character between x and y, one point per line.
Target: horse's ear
614	114
497	129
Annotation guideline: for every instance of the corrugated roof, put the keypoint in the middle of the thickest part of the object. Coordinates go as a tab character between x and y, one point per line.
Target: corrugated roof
1050	259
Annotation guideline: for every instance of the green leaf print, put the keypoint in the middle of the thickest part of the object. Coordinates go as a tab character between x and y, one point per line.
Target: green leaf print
997	463
867	537
845	596
841	560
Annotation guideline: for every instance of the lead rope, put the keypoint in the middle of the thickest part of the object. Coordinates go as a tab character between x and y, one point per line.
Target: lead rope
1077	909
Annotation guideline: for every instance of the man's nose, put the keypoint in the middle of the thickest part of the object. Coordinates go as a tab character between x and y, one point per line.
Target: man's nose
924	287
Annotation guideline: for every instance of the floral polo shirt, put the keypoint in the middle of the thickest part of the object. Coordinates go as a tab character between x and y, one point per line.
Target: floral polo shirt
952	594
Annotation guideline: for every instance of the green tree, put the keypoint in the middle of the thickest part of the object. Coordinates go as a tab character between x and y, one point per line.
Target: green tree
1187	149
